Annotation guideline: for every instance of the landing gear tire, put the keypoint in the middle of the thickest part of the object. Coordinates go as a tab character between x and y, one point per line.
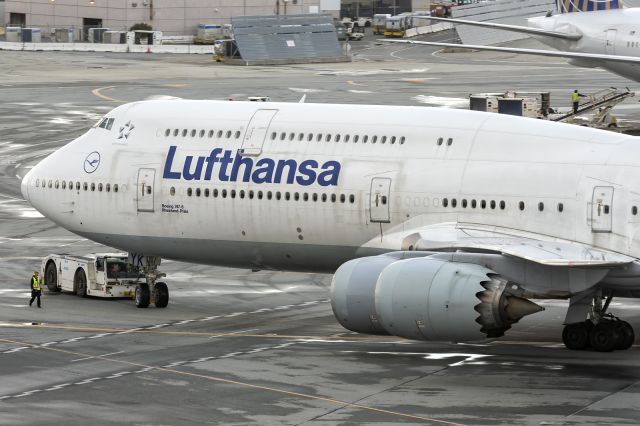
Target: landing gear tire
80	283
604	336
576	336
161	295
51	277
142	295
627	336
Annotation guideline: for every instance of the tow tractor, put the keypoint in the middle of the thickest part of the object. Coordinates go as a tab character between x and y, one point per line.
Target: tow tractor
108	275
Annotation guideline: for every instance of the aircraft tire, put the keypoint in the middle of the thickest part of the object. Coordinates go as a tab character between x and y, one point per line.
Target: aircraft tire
162	295
604	336
142	295
575	336
627	336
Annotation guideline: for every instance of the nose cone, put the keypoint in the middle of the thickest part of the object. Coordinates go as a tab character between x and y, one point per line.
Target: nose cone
24	186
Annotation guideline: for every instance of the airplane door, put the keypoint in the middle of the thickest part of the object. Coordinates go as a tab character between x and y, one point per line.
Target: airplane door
601	206
380	200
144	189
610	43
257	131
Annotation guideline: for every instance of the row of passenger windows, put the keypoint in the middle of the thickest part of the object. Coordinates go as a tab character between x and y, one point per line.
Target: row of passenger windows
493	204
107	187
230	134
633	44
269	195
337	137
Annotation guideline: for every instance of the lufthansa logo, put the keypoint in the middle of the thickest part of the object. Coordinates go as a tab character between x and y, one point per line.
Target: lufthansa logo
92	162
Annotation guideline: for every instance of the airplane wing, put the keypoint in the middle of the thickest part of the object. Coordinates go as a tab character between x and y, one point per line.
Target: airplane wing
540	249
514	28
595	58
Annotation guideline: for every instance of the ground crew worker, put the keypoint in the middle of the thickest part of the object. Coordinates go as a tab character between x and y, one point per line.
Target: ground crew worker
575	99
36	288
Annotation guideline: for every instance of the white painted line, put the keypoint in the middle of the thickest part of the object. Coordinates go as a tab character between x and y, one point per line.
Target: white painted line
44	345
56	387
96	356
16	350
97	336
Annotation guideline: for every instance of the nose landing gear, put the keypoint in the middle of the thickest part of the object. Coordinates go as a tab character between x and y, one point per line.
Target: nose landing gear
152	291
602	331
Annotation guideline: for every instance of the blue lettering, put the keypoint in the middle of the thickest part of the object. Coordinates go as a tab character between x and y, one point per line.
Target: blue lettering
247	162
264	171
186	170
224	162
292	170
235	167
213	157
168	174
307	169
330	175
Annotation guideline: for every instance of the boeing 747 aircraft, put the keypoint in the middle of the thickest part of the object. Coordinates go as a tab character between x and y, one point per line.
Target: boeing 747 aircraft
591	33
439	224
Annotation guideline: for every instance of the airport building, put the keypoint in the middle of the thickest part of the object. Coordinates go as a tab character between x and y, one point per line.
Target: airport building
172	17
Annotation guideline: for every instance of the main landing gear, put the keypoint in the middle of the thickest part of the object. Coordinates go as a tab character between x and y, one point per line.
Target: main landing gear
601	331
152	291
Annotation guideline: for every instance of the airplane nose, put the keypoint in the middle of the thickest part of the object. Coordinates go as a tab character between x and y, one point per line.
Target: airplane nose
24	186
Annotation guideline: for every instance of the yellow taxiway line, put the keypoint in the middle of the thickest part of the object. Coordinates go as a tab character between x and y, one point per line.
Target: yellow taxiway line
97	93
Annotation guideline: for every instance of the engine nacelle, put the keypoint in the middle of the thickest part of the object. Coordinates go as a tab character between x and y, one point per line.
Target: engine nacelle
425	299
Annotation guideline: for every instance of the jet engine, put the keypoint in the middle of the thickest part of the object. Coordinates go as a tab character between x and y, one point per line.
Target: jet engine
423	298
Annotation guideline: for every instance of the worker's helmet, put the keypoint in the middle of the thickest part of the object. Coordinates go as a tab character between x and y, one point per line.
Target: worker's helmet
35	272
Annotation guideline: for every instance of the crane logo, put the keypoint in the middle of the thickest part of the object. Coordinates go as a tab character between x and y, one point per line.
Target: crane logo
92	162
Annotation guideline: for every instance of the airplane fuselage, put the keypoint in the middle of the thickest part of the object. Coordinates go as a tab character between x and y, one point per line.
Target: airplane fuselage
310	186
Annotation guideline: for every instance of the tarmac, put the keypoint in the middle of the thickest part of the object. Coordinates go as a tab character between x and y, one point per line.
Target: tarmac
239	347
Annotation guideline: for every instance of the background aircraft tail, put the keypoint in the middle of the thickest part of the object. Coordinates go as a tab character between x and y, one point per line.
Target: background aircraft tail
570	6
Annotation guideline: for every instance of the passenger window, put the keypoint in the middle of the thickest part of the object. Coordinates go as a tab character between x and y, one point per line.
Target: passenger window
374	139
93	186
305	197
259	195
301	137
296	196
365	138
278	195
176	132
402	140
521	205
198	192
464	203
115	188
540	206
393	140
355	139
292	136
502	205
319	137
454	203
64	184
606	209
287	196
634	210
449	142
193	133
338	138
352	198
251	194
283	136
77	186
310	137
445	202
493	204
342	198
57	185
237	134
333	198
99	187
483	204
233	193
273	135
324	198
473	204
184	133
219	134
202	132
172	190
242	193
328	137
561	208
269	195
167	132
215	192
314	197
383	139
206	192
189	192
211	132
224	193
440	140
228	135
346	138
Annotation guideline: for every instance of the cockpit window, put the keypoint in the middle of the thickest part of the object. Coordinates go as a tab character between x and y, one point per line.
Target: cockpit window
106	123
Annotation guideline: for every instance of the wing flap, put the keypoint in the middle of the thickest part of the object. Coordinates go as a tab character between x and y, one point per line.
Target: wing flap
536	248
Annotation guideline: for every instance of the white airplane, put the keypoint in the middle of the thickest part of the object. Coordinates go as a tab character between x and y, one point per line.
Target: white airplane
442	224
590	33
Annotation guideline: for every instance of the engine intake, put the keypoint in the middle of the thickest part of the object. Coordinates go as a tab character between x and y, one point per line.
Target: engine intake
425	299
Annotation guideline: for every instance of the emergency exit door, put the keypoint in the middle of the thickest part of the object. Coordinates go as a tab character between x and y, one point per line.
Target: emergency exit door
610	43
380	200
144	190
601	209
257	131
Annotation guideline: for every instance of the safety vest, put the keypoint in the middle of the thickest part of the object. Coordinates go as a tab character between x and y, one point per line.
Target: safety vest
36	283
575	97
